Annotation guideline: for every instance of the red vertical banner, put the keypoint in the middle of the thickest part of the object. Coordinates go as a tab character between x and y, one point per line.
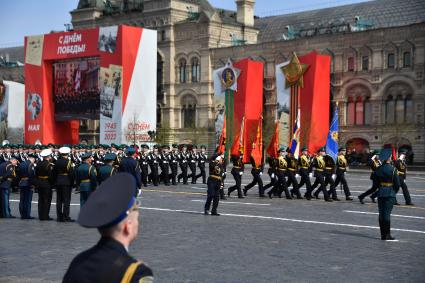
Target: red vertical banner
248	101
315	101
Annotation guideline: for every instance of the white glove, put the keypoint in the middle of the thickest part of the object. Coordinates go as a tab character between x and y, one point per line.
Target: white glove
310	175
373	157
272	175
139	192
333	176
297	175
261	173
241	173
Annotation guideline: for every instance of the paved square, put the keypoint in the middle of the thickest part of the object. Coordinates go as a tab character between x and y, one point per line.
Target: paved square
254	240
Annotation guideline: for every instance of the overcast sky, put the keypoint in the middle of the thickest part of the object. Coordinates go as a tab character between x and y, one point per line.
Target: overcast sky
29	17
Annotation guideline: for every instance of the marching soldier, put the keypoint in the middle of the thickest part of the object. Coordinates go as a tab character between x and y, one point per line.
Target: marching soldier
256	171
304	171
319	166
164	161
144	166
44	174
215	182
193	158
202	158
130	165
113	211
292	174
374	164
153	160
330	176
281	172
342	165
237	172
174	163
7	177
183	159
389	183
272	172
108	169
86	177
401	166
26	174
63	174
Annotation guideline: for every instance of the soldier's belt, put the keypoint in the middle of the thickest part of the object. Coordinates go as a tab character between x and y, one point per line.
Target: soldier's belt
43	177
401	173
329	168
291	169
304	167
319	170
383	184
215	177
24	178
10	179
85	181
237	167
63	174
282	170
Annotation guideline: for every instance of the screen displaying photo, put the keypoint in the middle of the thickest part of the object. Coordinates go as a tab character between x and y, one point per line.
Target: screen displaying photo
76	89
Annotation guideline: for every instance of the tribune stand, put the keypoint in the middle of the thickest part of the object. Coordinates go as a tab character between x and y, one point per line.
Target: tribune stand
106	73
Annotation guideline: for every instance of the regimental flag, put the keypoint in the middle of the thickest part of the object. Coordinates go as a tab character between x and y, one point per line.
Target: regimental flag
238	144
332	142
221	148
257	146
295	143
274	142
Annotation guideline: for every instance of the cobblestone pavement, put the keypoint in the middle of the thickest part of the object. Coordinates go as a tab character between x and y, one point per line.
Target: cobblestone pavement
254	240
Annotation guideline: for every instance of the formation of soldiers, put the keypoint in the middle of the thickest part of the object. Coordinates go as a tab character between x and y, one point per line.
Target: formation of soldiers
45	168
83	167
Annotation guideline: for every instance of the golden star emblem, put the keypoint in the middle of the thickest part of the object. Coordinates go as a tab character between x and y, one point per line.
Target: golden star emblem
294	72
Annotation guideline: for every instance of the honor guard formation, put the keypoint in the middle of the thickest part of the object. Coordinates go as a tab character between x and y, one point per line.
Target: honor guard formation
83	168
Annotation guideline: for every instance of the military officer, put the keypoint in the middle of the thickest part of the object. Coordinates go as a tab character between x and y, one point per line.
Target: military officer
164	162
193	159
107	169
144	166
44	182
304	171
319	166
272	172
374	164
183	160
202	158
291	173
330	176
114	212
174	163
7	177
256	171
281	172
26	174
153	160
214	183
130	165
389	183
341	168
86	177
63	174
401	166
237	172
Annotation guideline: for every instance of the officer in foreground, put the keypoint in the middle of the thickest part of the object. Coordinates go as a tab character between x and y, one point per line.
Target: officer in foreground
112	209
214	183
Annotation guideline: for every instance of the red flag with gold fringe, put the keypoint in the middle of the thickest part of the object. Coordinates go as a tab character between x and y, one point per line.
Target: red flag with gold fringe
238	144
222	142
257	146
274	142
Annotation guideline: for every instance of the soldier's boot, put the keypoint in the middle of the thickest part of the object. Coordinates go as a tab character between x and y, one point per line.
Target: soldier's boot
388	236
382	229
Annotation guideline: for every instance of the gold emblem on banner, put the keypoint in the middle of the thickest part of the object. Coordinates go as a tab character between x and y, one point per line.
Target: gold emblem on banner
294	72
228	77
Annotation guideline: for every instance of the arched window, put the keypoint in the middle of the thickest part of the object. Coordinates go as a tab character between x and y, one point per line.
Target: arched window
351	115
350	64
389	110
390	61
196	70
409	109
188	112
407	60
399	109
182	70
359	111
367	111
365	63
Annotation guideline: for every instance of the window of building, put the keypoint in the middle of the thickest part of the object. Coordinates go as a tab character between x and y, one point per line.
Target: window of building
391	61
351	112
359	112
407	60
188	112
365	63
389	110
196	70
182	71
409	109
399	109
350	64
367	112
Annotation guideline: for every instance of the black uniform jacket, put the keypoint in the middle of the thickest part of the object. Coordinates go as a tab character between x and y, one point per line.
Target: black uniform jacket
105	262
